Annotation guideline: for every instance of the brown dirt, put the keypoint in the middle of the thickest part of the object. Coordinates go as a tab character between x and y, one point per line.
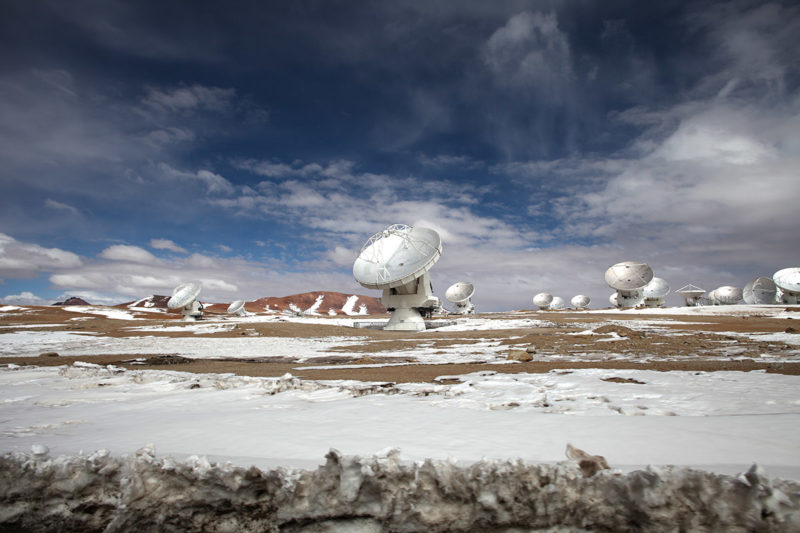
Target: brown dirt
701	346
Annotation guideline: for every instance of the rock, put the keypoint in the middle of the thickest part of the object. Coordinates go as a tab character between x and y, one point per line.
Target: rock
622	331
531	349
519	355
790	329
48	354
589	464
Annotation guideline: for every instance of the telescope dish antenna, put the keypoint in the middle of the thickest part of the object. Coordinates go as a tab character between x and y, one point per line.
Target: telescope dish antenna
788	281
760	291
558	303
580	301
460	294
726	295
543	300
397	261
184	297
612	299
629	279
691	294
655	292
237	308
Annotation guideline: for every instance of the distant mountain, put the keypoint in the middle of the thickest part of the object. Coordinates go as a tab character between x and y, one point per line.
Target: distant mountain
73	300
154	301
313	303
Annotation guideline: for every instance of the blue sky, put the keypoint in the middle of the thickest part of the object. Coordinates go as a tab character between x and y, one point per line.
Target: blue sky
255	146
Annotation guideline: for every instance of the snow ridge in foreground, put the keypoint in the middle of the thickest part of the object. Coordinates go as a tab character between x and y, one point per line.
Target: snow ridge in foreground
379	493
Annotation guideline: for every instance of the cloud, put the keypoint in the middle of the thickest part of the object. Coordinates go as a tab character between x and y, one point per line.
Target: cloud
25	260
188	99
23	298
166	244
52	204
128	253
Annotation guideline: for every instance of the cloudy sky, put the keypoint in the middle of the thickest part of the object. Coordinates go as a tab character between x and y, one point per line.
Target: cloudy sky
255	146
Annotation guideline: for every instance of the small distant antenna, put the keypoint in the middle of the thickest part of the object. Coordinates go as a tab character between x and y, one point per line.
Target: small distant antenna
612	299
788	281
760	291
726	295
185	297
543	300
397	261
580	301
629	279
237	308
691	294
655	292
558	303
460	294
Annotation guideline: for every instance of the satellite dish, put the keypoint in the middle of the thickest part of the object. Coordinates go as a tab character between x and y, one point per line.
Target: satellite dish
629	278
760	291
580	301
460	294
655	292
558	303
691	294
726	295
788	281
185	297
397	261
543	300
237	308
612	299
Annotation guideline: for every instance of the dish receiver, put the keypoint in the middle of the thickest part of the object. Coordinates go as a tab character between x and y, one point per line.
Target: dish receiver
543	300
629	279
788	281
397	261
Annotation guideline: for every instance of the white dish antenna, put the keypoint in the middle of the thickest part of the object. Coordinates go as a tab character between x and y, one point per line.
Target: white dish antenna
558	303
397	261
726	295
788	281
460	294
184	297
655	292
543	300
237	308
760	291
580	301
629	279
612	299
691	294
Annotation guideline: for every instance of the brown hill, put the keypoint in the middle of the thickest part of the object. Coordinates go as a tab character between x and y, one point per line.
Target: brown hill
155	301
73	300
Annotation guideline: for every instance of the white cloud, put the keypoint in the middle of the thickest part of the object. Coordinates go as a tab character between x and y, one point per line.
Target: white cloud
24	260
166	244
60	206
125	252
23	298
193	97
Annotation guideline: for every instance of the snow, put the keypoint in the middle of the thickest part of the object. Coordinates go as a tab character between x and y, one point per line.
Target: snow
314	309
349	304
8	308
778	311
108	312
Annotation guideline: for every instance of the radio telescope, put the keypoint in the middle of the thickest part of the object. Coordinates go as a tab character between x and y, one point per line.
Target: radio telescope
237	308
460	294
726	295
397	261
580	301
558	303
691	294
760	291
655	292
629	278
542	300
184	297
788	281
612	299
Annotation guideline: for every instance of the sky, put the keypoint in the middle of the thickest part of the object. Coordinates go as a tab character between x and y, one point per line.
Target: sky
255	146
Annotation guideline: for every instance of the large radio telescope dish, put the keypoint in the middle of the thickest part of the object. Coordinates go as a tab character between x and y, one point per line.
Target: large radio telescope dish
543	300
558	303
237	308
580	301
629	278
460	293
185	297
655	292
397	261
760	291
691	294
788	281
726	295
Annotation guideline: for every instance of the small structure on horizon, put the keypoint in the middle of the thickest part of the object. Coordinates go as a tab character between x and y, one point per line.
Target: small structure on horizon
460	294
692	294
